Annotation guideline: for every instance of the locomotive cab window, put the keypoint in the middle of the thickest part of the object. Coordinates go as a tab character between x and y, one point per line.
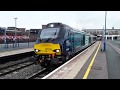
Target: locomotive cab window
67	33
49	33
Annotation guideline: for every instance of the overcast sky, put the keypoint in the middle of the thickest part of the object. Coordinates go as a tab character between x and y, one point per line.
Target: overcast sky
76	19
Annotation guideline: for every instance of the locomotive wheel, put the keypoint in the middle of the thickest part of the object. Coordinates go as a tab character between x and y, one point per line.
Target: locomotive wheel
44	64
65	58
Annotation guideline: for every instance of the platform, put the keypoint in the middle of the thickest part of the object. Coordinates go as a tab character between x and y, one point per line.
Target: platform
15	51
113	59
95	67
72	68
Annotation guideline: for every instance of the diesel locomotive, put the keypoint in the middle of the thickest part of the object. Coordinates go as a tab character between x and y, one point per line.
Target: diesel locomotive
57	42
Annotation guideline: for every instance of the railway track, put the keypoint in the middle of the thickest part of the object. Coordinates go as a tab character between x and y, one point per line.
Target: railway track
20	65
15	67
117	49
39	74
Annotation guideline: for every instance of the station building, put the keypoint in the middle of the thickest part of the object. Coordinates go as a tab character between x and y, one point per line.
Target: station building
110	33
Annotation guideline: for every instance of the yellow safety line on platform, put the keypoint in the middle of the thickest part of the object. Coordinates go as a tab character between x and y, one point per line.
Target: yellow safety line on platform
89	68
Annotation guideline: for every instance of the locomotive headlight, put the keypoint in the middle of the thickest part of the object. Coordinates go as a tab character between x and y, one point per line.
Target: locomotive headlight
37	50
57	50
